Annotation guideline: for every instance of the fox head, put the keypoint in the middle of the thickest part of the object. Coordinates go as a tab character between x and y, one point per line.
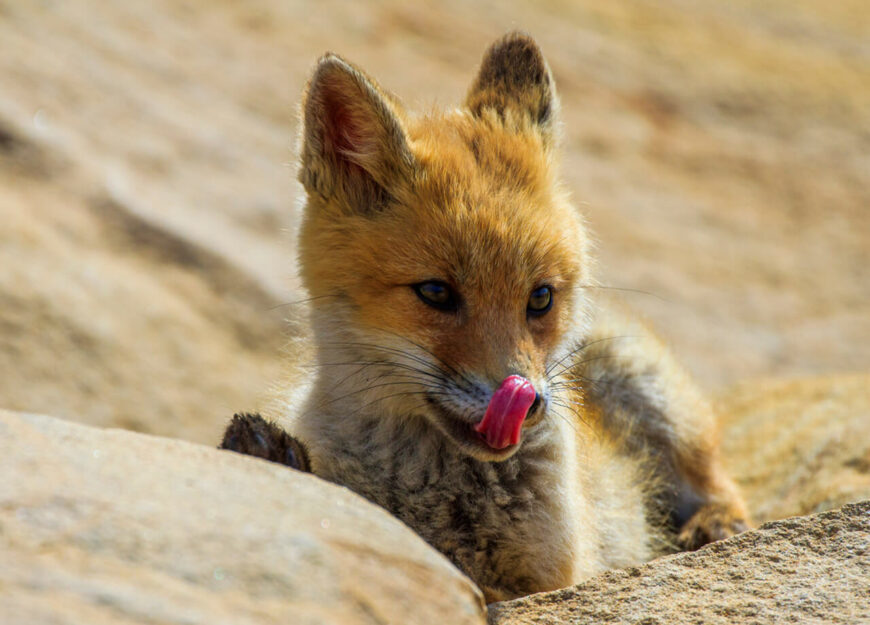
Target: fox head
442	256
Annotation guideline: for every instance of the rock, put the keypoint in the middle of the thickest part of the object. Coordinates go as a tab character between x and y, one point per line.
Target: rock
107	526
798	446
812	569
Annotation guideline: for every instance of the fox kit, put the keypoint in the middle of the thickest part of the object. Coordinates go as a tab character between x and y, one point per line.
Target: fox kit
463	373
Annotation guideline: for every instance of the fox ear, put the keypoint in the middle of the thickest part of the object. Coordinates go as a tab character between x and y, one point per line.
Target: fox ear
354	148
515	82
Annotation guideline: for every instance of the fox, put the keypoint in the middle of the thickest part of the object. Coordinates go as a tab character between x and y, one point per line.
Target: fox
462	369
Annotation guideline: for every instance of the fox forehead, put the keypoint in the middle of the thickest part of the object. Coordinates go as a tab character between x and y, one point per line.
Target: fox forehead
478	155
482	211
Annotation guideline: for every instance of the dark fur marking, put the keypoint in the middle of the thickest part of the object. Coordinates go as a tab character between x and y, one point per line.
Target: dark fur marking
514	75
252	435
474	146
675	501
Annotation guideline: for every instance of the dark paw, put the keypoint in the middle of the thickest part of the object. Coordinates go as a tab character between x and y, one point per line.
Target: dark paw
251	434
709	524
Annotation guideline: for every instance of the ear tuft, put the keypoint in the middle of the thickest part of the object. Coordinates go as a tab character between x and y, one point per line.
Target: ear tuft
354	147
515	80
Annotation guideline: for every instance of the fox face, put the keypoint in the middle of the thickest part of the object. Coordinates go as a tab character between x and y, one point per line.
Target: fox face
443	258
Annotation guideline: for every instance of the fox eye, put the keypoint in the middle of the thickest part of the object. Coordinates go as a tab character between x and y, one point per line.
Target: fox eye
436	294
540	301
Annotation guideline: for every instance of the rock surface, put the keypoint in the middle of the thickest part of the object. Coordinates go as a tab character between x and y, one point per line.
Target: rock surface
106	526
798	446
812	569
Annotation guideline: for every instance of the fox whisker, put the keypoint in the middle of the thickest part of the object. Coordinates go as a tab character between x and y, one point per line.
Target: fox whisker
438	369
621	288
579	348
404	394
450	368
299	302
365	389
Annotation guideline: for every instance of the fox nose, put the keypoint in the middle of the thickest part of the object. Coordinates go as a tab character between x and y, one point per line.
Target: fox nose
535	404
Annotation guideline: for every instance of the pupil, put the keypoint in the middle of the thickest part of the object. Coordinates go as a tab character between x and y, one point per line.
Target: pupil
540	299
436	294
435	291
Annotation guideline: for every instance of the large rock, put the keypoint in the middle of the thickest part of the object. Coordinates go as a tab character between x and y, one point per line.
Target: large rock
106	526
798	446
812	569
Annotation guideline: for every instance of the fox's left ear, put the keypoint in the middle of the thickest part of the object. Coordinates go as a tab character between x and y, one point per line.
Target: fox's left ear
354	148
515	83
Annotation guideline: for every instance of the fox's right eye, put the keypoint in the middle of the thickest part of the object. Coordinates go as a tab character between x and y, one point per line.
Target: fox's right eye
436	294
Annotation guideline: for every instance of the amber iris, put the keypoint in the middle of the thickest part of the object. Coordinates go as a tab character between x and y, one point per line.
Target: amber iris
436	294
540	301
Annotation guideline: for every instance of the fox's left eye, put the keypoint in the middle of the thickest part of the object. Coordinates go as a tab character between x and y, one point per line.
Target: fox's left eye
436	294
540	301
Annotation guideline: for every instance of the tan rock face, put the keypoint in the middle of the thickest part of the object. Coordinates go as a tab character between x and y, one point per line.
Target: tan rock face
115	527
803	570
798	446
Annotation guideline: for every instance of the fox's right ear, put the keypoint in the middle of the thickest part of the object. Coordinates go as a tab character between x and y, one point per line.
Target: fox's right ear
515	83
354	146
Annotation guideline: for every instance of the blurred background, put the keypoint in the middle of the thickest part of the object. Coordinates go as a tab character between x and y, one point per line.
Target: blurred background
721	152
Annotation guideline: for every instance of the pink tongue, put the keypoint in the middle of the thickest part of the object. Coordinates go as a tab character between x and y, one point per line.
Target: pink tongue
508	408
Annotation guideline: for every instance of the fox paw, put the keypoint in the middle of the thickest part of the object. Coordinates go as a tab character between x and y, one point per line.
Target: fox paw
710	523
253	435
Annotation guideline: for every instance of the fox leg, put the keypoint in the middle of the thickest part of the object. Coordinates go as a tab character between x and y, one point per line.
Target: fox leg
646	402
716	509
252	435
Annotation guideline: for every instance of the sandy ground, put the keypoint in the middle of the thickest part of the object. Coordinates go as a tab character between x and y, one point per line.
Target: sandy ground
147	196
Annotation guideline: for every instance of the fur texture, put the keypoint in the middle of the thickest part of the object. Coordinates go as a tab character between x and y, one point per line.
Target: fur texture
621	449
252	435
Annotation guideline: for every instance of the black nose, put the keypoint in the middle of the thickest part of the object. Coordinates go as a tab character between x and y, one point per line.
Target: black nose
535	404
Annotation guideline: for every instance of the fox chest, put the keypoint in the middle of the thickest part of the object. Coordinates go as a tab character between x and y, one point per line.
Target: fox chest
507	525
